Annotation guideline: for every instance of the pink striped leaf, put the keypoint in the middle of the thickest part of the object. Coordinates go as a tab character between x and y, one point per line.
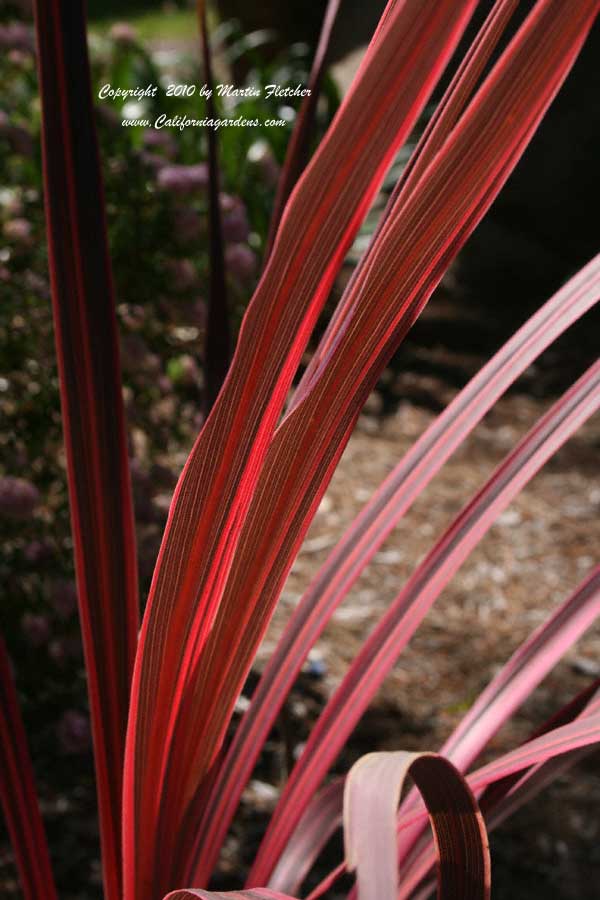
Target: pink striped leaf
384	645
587	702
516	681
259	894
534	781
437	130
298	148
503	797
414	249
583	733
370	529
520	675
321	819
371	798
216	486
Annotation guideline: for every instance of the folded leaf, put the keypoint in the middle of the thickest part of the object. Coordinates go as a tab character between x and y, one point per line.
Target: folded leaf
516	681
371	798
505	796
259	894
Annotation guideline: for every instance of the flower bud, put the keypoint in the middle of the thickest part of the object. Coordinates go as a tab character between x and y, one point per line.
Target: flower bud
63	598
123	33
183	179
234	219
240	261
36	629
18	498
73	732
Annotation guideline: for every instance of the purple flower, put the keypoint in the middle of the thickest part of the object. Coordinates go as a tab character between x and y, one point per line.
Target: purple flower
199	313
38	552
123	33
183	274
155	139
18	498
235	219
151	160
164	384
36	629
36	284
18	230
136	357
139	476
188	224
63	649
16	36
19	139
63	598
240	261
73	732
142	491
183	179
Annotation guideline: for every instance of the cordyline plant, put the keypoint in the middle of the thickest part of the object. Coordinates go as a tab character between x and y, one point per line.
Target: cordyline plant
161	700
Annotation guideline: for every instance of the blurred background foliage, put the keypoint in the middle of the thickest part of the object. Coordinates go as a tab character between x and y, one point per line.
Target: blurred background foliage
540	231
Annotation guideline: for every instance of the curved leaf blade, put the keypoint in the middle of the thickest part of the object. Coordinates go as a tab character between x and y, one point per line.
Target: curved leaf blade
371	798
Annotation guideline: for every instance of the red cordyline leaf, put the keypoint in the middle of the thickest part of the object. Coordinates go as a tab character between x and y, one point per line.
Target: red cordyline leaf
299	145
516	788
367	533
438	128
217	346
397	626
259	894
504	694
414	247
18	795
586	702
503	797
215	489
371	797
534	781
584	732
516	681
91	401
321	819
